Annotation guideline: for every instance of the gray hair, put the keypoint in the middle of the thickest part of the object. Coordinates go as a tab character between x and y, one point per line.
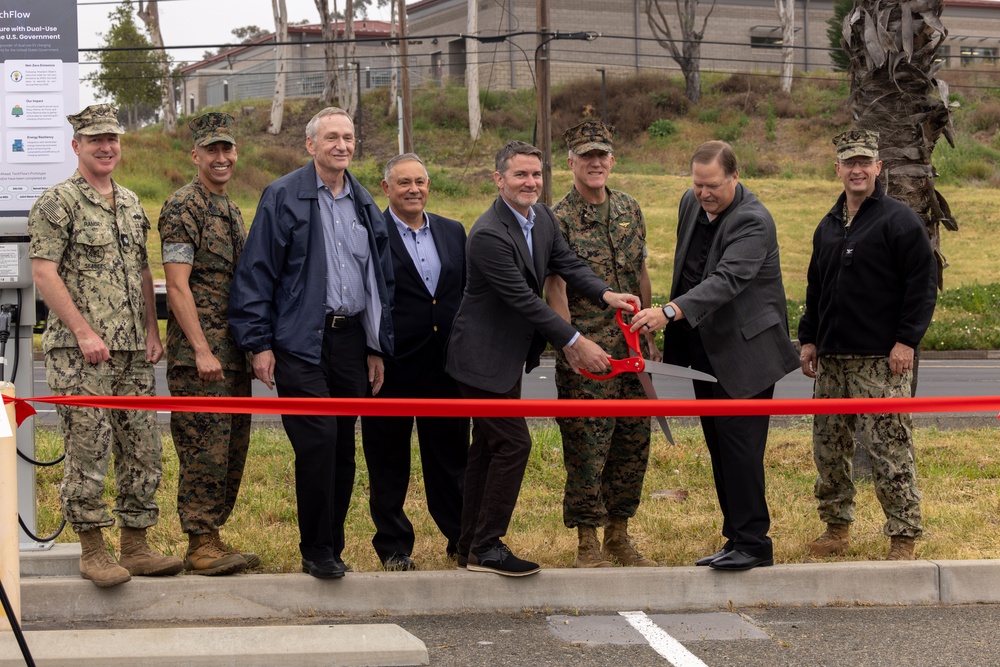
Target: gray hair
405	157
515	148
313	124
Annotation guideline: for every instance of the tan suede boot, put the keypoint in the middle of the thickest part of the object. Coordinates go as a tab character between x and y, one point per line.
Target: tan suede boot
97	563
834	542
589	552
901	548
252	559
141	561
618	545
205	556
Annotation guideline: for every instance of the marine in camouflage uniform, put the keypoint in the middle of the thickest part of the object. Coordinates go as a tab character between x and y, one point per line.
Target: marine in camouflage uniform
89	262
203	233
869	300
605	457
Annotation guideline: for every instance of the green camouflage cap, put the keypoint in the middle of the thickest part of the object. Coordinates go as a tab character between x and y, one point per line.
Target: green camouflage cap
590	135
96	119
212	127
856	143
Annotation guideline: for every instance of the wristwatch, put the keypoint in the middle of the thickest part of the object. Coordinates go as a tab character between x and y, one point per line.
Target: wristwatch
669	312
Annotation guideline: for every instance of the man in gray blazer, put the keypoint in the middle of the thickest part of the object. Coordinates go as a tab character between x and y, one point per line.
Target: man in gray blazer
501	327
729	318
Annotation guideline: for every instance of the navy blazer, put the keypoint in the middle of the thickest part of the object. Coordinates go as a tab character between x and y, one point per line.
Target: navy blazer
422	321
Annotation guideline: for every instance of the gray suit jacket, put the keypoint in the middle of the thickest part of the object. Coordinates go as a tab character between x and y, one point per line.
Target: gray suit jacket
739	307
503	322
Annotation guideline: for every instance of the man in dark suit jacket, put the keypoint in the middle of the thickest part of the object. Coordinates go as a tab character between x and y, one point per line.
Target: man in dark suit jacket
729	319
428	262
502	326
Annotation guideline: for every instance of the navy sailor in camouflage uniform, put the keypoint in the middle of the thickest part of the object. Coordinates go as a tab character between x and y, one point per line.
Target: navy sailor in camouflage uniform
605	457
89	263
202	233
869	300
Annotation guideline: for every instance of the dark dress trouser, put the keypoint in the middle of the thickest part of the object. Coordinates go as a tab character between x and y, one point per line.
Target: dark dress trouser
324	446
444	446
498	458
736	446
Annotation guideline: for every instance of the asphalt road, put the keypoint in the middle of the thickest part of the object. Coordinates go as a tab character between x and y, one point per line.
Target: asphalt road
938	377
914	636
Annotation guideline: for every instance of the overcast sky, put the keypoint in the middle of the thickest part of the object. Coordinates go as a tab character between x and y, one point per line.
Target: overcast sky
190	23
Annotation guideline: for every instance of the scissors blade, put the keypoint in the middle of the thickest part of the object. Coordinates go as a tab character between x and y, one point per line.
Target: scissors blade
647	385
676	371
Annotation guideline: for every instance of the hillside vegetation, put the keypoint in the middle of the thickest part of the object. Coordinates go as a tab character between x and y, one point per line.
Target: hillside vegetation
783	143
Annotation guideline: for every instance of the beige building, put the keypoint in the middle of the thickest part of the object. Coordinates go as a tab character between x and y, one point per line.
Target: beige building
741	35
247	71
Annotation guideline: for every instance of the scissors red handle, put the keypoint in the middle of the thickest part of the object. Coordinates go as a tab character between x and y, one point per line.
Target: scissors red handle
631	364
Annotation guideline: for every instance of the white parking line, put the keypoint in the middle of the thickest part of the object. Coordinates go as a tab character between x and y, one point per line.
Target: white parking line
660	641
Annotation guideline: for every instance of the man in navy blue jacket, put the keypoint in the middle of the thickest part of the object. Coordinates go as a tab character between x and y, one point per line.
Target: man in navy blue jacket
311	299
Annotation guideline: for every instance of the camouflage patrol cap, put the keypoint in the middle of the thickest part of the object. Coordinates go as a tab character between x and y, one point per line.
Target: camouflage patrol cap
212	127
96	119
856	143
590	135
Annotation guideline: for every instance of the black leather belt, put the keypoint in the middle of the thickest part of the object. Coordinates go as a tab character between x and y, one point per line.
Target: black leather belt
342	321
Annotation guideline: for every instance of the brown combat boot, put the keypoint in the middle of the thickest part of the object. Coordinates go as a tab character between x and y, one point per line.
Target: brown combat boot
97	563
141	561
834	542
205	556
589	552
618	545
252	559
900	548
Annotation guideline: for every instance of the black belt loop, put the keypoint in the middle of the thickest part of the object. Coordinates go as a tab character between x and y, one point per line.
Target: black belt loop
334	321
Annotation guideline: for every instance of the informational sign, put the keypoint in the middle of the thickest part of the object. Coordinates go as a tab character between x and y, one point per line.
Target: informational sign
41	75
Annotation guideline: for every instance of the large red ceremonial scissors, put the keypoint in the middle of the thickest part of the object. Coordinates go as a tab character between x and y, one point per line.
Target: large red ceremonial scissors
634	363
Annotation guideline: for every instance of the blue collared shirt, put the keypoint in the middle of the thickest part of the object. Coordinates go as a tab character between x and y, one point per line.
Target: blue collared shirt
526	225
419	243
347	251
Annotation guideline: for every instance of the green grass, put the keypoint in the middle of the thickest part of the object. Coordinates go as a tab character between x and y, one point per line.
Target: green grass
958	474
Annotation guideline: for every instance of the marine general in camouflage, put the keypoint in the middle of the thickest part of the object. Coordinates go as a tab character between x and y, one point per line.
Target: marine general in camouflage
202	233
89	263
605	457
869	300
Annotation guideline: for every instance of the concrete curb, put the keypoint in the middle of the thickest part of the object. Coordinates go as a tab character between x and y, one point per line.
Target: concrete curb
269	646
287	596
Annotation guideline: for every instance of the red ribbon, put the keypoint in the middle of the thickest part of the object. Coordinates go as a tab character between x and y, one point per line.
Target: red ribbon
386	407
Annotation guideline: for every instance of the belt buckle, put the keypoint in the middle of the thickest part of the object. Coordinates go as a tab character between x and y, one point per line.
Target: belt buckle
339	321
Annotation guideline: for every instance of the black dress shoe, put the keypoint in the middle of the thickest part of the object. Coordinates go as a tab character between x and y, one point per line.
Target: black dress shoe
499	560
399	563
707	560
739	560
323	569
341	563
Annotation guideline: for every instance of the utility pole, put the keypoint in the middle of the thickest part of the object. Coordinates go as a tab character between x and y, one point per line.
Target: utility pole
543	123
404	81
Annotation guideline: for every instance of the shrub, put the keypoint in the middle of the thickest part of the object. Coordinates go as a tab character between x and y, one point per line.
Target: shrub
663	127
985	117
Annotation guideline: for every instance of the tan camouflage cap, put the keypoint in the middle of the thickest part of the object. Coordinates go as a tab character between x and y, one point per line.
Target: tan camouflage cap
590	135
96	119
212	127
856	143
